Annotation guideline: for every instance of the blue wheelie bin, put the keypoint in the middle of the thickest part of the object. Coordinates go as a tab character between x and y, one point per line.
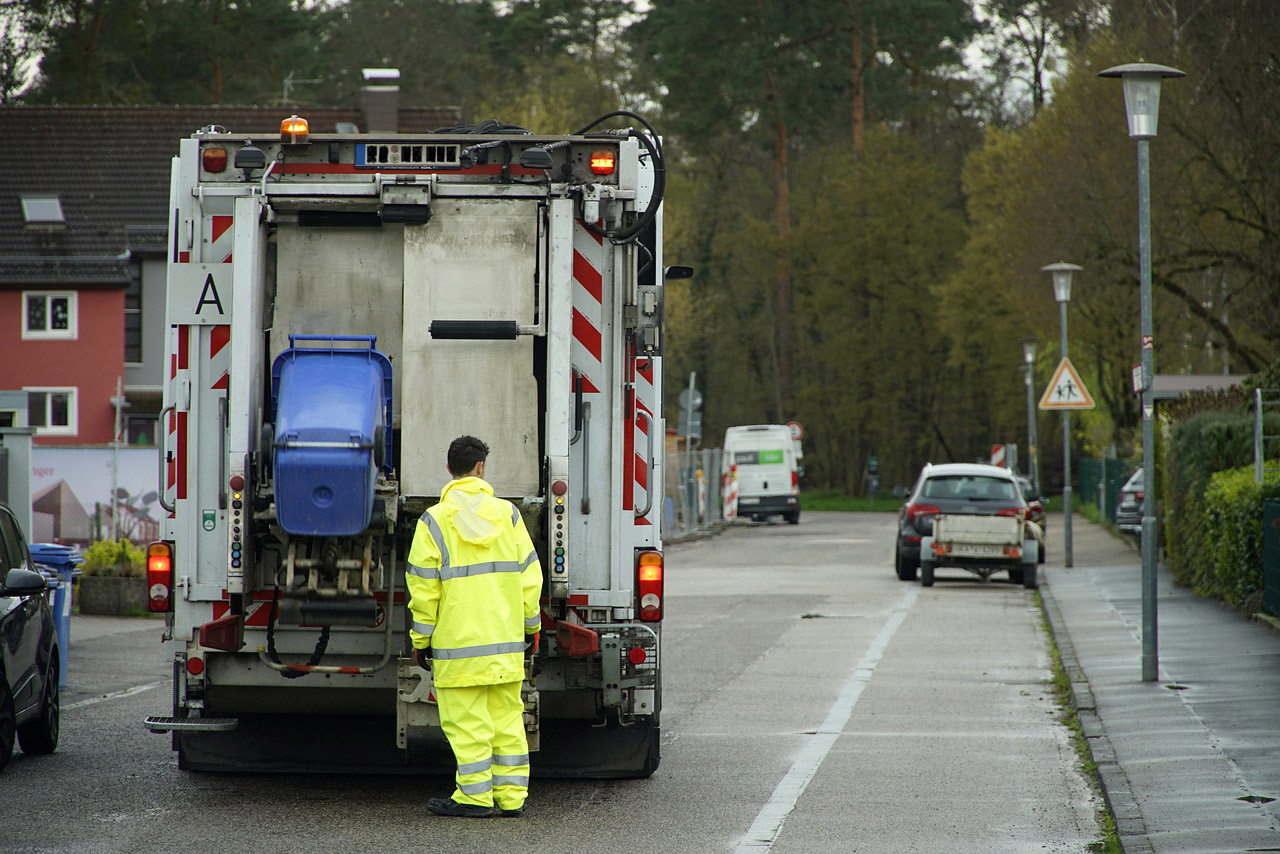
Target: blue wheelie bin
332	410
61	561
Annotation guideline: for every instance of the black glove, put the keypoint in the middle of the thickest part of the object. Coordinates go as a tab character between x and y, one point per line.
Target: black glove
531	643
424	657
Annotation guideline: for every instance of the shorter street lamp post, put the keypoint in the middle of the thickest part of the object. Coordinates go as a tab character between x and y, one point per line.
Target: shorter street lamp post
1033	463
1142	108
1061	273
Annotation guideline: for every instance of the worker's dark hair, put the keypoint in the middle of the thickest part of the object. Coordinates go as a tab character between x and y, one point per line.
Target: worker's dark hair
464	453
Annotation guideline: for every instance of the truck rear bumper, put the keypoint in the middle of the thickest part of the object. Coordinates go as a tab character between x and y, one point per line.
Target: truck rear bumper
283	744
767	505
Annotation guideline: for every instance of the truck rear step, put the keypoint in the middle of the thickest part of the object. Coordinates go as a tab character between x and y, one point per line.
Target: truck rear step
156	723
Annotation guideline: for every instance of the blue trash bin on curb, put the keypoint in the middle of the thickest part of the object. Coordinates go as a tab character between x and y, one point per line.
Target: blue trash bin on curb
61	562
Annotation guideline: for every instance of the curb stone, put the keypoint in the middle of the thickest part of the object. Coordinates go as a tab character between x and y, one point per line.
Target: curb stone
1131	829
706	533
1268	621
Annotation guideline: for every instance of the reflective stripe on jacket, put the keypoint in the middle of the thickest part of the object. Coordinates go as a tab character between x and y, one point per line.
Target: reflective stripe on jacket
474	583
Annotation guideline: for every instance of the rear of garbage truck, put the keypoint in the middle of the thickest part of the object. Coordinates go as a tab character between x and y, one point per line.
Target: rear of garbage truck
340	307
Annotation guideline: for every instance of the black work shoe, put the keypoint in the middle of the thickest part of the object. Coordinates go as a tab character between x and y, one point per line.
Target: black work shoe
511	813
450	807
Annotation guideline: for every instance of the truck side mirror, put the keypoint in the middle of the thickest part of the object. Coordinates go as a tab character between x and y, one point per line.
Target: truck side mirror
677	272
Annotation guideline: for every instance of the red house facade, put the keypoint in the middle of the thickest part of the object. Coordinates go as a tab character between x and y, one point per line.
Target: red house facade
65	349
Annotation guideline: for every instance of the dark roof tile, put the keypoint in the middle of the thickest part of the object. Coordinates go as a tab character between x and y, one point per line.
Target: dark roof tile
109	166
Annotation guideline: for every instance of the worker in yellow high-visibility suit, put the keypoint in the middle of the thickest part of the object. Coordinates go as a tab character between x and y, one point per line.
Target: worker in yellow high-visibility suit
474	583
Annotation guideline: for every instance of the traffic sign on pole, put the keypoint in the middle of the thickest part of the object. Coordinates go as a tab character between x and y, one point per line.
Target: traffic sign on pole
1066	390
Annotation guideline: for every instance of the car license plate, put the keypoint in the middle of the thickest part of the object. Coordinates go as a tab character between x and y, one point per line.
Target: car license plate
976	550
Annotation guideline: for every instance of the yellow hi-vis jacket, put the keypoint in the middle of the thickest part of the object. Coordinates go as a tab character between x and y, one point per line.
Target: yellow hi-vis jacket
474	583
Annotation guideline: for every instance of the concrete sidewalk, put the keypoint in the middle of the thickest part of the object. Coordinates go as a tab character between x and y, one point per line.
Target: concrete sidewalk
86	627
1190	763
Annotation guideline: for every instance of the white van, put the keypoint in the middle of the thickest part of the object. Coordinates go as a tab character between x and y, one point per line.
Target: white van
763	462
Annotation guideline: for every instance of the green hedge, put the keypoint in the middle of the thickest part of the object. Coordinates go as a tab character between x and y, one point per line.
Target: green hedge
114	557
1229	537
1200	446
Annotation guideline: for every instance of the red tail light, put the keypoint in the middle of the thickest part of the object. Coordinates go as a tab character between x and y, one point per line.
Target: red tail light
159	577
1016	512
1140	496
915	510
649	586
795	483
602	162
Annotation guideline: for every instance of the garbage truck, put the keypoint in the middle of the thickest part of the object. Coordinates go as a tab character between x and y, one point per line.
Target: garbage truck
340	307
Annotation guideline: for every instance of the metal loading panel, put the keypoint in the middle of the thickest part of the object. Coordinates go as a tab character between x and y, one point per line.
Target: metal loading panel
476	260
340	281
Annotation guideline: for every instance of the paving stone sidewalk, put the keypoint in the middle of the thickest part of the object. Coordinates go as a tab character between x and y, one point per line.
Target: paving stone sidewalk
1191	762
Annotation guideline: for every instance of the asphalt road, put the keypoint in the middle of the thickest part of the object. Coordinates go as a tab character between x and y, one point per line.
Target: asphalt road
813	703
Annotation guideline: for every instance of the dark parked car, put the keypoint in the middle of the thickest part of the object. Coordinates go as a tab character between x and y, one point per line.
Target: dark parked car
1129	510
954	488
29	707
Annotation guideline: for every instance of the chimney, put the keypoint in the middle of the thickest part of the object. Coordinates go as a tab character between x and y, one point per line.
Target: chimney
381	95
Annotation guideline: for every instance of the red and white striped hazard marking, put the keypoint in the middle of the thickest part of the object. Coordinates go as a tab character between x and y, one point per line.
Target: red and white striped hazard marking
216	239
730	488
645	433
586	352
219	355
176	464
256	613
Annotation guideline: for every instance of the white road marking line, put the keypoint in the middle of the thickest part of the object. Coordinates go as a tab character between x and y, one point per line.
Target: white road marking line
768	824
128	692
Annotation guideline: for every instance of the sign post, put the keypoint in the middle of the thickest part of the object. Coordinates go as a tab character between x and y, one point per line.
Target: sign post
1066	392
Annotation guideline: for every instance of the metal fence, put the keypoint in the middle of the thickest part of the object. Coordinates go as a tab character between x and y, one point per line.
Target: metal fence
691	490
1100	482
1263	399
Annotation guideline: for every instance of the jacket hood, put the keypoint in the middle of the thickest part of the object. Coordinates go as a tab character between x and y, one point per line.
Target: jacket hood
477	516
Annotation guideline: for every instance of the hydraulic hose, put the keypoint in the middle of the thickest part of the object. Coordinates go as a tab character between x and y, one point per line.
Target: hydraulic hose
321	645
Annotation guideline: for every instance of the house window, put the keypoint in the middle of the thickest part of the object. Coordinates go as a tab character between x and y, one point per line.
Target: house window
141	429
133	317
42	210
52	411
48	315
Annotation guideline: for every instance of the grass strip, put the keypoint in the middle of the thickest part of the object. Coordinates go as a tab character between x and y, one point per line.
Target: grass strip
1060	685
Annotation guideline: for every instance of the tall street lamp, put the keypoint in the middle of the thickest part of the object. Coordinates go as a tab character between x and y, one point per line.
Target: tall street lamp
1061	273
1033	464
1142	106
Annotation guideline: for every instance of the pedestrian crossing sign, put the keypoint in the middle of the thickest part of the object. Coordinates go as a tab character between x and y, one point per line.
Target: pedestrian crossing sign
1066	390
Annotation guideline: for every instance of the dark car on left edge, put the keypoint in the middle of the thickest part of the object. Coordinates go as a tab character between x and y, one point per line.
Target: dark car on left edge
29	703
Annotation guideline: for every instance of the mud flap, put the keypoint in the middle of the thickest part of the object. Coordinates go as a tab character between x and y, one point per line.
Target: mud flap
577	749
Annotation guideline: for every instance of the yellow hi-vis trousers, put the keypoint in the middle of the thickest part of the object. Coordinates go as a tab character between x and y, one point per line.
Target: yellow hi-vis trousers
485	728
